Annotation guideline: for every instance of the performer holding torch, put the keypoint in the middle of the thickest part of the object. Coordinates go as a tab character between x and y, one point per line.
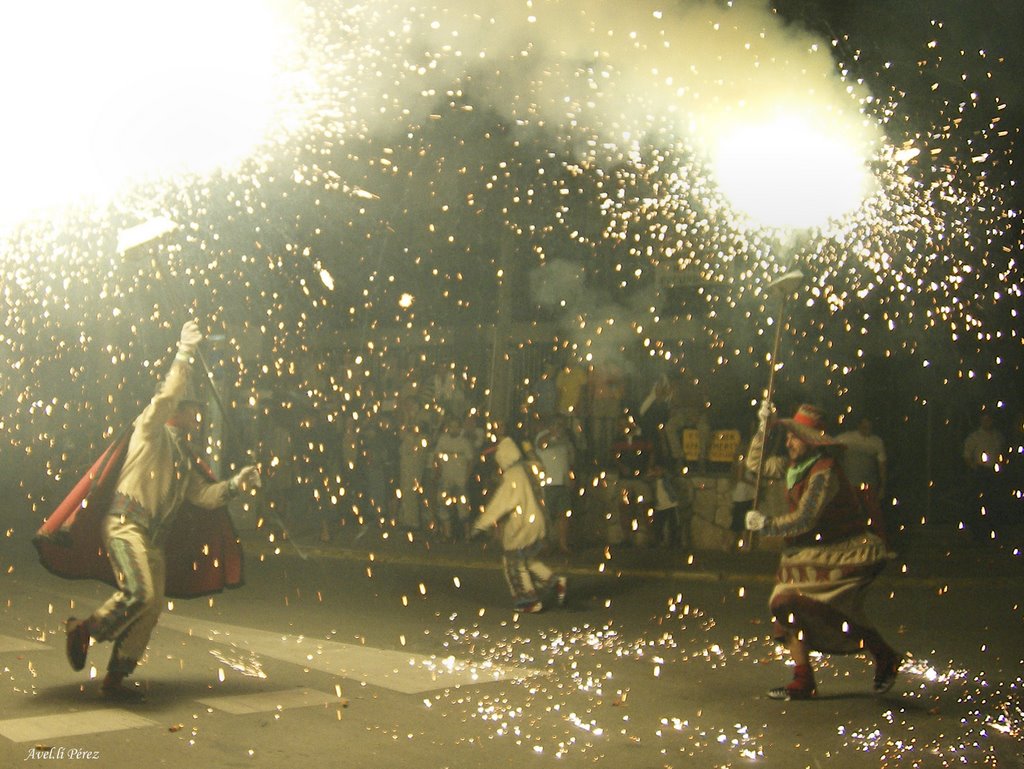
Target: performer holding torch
156	542
831	556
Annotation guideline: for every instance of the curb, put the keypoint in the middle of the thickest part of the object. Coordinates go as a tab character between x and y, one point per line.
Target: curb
288	548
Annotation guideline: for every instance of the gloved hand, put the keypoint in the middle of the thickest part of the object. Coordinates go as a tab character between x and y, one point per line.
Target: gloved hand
191	336
765	412
246	479
755	520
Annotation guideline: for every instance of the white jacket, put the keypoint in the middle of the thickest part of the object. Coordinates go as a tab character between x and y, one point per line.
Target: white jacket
156	474
514	503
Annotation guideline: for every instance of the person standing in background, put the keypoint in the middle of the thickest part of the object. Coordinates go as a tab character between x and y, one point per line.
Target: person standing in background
454	457
984	454
555	452
571	389
607	389
864	463
412	461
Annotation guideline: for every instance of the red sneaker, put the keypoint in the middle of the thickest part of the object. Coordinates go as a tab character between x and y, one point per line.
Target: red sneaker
802	686
792	691
561	587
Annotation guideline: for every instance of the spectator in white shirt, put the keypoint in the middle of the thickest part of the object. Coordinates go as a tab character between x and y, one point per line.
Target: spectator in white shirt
864	463
984	453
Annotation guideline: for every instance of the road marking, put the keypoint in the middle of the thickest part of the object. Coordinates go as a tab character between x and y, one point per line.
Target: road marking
395	670
264	702
37	728
11	644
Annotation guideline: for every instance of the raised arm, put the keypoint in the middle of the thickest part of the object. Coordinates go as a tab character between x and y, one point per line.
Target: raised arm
163	404
774	467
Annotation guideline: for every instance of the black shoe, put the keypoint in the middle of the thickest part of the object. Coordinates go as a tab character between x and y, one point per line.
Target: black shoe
887	667
76	642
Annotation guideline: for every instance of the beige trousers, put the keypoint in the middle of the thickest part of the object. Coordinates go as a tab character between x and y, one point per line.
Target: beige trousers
129	615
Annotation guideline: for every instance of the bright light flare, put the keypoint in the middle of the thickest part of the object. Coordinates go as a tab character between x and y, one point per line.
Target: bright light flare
100	96
788	173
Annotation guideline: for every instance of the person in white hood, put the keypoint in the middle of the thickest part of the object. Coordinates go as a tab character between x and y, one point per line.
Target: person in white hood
516	508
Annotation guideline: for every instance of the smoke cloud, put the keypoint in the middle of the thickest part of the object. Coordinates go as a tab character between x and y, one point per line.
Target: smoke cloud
605	79
601	75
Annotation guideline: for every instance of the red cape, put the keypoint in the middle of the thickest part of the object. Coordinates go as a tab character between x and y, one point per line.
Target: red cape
204	554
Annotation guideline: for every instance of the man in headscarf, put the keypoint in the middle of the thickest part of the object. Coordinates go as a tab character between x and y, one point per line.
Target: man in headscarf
830	559
160	474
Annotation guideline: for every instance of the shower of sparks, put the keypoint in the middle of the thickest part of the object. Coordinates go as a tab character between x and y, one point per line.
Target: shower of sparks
583	695
289	247
248	665
386	175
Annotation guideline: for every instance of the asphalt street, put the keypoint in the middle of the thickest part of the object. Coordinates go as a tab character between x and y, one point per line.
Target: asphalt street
408	654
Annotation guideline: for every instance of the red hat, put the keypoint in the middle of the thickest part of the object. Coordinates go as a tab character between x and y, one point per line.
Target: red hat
808	424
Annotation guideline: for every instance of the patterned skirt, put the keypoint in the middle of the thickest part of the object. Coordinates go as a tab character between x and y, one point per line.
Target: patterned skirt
819	593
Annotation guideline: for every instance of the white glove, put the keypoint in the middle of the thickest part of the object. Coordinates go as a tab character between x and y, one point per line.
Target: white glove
191	336
755	520
765	412
246	479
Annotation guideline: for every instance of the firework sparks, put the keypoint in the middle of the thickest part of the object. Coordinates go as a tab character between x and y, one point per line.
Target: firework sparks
389	177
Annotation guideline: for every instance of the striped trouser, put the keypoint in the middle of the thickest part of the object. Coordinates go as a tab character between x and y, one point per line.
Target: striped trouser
526	574
129	615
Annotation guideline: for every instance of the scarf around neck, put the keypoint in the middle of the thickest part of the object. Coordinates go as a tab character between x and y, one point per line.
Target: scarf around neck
795	472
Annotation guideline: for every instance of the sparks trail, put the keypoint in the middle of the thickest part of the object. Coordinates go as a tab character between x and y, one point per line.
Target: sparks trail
576	166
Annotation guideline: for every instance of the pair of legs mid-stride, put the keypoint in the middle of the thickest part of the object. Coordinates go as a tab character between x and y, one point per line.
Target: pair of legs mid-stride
128	617
798	619
527	577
